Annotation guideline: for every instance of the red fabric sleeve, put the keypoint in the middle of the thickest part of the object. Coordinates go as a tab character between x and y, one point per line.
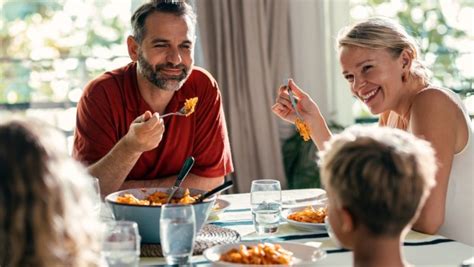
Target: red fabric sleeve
94	135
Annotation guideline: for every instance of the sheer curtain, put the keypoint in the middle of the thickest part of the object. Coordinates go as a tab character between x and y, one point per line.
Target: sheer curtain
246	47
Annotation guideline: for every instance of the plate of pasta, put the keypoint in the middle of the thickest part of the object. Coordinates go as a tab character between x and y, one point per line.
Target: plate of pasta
307	218
258	254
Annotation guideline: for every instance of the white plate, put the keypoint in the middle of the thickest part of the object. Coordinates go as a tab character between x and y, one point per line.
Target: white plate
306	226
302	254
222	206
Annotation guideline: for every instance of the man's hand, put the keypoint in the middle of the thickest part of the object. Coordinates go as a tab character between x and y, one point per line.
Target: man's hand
145	132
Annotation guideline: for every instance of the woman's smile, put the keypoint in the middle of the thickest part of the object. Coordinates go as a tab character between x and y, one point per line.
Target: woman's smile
368	96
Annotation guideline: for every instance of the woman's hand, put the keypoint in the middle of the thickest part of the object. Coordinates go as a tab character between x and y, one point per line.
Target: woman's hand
307	108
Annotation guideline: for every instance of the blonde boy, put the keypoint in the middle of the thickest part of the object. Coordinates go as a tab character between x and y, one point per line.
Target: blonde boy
377	180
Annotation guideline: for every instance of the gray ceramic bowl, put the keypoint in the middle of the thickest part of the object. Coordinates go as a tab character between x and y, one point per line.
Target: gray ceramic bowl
148	217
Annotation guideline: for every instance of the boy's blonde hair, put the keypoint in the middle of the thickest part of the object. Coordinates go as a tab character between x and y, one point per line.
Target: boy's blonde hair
380	175
384	33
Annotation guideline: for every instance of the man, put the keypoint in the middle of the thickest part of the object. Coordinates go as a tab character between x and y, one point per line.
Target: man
120	134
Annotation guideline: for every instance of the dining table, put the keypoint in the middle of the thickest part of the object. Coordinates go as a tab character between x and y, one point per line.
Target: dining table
418	249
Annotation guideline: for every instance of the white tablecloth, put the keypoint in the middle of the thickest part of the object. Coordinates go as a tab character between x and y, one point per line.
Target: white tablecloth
419	249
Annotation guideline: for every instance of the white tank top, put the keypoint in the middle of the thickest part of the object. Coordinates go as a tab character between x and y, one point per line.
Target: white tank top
459	217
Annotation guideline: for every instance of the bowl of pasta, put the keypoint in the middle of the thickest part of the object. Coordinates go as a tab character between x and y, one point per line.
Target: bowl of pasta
143	205
306	218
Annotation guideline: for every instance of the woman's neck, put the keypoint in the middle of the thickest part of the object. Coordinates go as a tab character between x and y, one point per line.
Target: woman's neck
412	87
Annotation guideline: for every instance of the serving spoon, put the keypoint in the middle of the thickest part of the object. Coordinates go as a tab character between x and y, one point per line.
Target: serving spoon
214	191
188	164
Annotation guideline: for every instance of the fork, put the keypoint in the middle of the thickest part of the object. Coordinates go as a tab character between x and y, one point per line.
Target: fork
293	102
181	112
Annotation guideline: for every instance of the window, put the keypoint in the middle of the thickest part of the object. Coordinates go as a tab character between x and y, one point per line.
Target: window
50	49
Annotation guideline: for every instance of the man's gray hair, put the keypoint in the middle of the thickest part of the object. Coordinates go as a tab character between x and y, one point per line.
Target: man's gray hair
178	8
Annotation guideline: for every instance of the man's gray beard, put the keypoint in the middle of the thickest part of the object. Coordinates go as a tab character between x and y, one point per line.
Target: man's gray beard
167	84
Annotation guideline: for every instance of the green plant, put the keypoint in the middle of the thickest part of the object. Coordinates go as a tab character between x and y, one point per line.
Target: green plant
300	161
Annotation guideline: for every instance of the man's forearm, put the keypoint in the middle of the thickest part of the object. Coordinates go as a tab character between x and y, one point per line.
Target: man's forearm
203	183
191	181
113	168
162	182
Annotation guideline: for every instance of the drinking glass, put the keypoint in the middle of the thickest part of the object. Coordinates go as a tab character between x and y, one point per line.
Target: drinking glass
265	199
121	244
177	233
96	198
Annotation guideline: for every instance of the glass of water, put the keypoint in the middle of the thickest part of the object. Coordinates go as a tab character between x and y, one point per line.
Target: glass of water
121	244
265	199
96	198
177	233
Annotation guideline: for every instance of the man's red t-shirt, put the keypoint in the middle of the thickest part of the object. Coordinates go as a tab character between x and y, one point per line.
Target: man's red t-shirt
112	101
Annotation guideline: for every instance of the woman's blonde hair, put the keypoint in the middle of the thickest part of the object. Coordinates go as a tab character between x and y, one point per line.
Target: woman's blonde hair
46	210
383	33
381	175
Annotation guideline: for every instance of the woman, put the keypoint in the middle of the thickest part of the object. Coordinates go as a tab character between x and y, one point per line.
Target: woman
381	63
46	212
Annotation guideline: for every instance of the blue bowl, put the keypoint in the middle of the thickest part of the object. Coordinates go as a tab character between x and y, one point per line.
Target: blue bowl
148	217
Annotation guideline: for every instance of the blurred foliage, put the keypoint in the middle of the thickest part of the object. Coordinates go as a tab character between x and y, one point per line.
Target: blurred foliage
45	46
433	41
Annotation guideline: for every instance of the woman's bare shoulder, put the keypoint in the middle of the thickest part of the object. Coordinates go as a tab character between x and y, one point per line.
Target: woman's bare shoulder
433	107
435	98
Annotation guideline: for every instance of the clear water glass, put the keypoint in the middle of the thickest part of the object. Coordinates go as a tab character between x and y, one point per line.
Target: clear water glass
177	233
121	244
265	200
96	198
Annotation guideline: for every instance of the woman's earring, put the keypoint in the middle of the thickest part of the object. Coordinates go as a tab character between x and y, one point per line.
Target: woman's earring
404	77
